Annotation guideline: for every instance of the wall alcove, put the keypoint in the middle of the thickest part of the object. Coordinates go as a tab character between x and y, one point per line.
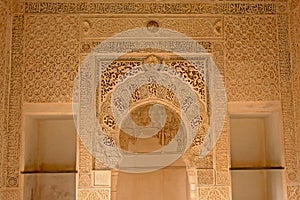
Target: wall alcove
256	145
49	167
169	183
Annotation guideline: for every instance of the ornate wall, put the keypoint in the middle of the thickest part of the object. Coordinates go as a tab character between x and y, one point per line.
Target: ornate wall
249	41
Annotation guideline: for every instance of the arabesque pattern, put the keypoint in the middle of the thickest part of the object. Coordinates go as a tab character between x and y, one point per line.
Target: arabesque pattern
249	42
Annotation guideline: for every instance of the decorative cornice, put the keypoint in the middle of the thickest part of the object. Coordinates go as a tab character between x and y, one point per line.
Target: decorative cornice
150	8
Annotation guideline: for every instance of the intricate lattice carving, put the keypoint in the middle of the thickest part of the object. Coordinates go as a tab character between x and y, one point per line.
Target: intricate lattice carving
90	194
118	68
293	192
85	159
212	193
113	74
195	77
51	57
10	194
251	57
193	161
206	177
85	180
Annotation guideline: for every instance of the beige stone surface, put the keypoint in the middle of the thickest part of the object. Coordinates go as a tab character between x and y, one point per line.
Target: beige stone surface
166	184
255	44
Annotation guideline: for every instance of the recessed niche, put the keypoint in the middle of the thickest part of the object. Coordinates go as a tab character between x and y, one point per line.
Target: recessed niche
255	141
257	184
50	186
170	183
50	144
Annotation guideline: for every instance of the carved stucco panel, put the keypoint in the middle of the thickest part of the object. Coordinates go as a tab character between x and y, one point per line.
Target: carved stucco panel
206	177
85	159
91	194
293	192
4	78
295	56
287	99
222	157
85	180
12	136
213	193
252	72
51	57
10	194
151	8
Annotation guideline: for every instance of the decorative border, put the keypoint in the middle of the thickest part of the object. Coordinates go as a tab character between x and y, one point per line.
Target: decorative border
5	87
286	98
87	45
15	103
150	8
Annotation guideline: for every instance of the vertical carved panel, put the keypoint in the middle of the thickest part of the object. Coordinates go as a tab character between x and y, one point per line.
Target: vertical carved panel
85	159
286	98
295	55
51	57
222	160
12	139
4	78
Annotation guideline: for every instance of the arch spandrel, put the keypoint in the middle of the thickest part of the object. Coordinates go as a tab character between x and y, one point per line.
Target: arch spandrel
153	93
